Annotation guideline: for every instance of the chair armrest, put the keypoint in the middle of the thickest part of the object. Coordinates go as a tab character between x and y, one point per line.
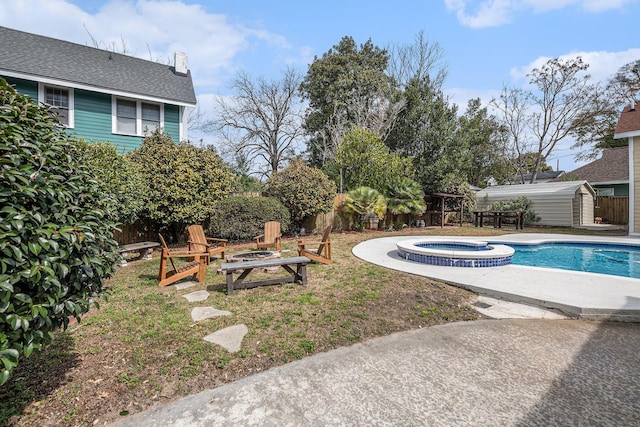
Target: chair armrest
313	243
216	240
259	237
183	254
206	245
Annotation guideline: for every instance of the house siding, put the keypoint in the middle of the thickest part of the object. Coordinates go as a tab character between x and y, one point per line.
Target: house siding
172	121
636	184
25	87
93	120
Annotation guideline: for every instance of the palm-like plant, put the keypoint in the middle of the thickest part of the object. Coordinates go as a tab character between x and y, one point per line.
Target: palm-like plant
405	196
366	201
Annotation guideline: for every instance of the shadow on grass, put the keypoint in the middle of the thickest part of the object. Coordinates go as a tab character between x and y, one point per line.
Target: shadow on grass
37	377
220	288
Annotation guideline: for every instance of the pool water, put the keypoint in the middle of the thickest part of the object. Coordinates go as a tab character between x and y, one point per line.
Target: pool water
618	260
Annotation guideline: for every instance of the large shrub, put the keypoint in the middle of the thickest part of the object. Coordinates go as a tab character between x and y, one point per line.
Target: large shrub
304	190
183	181
241	218
363	203
405	196
120	178
366	161
56	230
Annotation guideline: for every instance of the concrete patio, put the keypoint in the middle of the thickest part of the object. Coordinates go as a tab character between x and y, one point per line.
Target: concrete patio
576	294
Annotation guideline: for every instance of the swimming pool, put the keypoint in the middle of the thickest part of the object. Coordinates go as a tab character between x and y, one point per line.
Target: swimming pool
618	260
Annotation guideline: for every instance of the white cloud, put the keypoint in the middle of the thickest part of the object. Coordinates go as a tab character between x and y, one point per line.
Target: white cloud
150	29
492	13
602	65
489	13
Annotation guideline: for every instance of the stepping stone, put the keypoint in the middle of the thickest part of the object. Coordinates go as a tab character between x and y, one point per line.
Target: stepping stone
185	285
197	296
203	313
229	338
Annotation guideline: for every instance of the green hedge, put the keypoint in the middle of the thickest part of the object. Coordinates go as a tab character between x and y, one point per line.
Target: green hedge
56	229
241	218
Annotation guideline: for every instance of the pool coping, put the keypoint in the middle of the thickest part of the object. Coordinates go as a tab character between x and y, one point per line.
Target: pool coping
576	294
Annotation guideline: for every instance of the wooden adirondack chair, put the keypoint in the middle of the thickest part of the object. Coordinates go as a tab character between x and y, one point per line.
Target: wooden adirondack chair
323	253
197	267
271	236
199	242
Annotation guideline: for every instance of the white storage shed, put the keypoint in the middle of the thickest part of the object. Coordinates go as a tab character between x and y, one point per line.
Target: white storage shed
565	204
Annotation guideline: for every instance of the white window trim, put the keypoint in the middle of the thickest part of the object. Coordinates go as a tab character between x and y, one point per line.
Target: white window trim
41	98
139	102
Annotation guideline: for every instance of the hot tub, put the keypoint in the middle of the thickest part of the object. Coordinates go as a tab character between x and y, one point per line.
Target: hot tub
455	253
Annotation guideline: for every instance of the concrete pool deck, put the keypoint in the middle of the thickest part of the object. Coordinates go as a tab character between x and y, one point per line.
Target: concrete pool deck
575	294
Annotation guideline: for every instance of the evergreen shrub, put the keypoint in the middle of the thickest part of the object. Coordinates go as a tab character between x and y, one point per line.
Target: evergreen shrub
56	229
241	218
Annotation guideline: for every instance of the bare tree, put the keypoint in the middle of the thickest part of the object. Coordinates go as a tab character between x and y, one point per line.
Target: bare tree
420	60
262	120
513	106
537	120
625	84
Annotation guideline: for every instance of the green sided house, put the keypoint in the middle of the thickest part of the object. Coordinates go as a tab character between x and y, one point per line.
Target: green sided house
99	95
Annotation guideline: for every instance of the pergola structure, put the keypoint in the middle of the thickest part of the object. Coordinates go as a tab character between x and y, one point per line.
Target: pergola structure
440	210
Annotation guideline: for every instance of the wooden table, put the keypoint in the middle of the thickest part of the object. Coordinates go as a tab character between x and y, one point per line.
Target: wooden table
297	275
498	218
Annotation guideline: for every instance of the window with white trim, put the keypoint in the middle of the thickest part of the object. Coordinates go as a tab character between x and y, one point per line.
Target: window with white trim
60	100
133	117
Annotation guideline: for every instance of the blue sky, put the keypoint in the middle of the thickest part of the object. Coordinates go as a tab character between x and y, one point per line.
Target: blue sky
487	43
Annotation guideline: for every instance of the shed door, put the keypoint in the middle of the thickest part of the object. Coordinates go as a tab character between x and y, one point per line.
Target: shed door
576	208
587	209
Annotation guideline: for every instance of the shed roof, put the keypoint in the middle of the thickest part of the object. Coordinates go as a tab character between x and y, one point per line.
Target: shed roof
628	124
544	190
31	56
612	167
543	175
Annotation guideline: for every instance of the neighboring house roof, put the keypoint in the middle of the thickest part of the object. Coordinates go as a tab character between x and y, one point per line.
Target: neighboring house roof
547	175
31	56
544	190
628	124
611	168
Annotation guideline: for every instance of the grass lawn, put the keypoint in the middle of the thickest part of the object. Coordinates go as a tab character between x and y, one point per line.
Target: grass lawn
141	348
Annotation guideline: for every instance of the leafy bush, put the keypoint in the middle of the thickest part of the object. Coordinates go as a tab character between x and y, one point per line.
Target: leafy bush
241	218
119	177
183	181
365	202
304	190
454	184
521	203
405	196
56	230
366	161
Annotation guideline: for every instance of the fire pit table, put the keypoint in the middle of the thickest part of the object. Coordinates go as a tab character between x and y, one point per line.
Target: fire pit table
255	256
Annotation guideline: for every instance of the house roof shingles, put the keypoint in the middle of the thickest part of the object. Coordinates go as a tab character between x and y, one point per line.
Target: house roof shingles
44	57
613	166
628	124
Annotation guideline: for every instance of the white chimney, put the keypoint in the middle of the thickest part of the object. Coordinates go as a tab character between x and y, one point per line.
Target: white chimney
180	61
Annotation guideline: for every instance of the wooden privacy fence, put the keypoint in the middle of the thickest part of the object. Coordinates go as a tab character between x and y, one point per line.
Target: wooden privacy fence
140	231
612	209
